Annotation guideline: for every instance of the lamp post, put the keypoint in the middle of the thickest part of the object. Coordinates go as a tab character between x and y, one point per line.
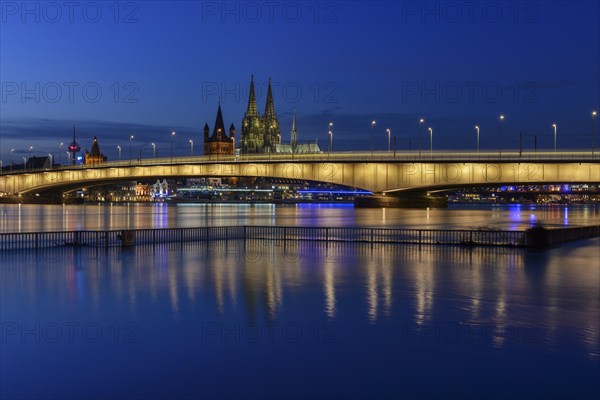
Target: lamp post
119	148
153	150
431	143
330	137
191	147
11	158
420	134
51	158
389	132
593	132
372	126
60	146
477	129
24	163
172	135
501	119
554	126
130	154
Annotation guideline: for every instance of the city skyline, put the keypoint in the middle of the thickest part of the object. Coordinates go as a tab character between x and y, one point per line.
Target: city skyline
335	61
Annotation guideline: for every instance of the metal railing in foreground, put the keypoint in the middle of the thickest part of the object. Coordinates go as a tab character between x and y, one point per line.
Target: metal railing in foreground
113	238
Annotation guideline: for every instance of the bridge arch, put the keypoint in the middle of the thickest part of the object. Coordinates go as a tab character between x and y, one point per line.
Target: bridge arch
376	176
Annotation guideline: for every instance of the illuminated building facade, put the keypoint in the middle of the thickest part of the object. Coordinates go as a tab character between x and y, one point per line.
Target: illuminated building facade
94	156
219	142
260	134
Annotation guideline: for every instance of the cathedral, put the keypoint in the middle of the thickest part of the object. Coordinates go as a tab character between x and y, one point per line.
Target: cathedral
260	134
295	147
219	143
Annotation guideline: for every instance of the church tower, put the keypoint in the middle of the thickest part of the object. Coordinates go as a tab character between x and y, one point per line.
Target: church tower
219	142
252	137
95	156
271	123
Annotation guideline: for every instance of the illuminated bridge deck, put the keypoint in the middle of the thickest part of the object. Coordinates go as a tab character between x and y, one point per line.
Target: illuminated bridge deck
379	172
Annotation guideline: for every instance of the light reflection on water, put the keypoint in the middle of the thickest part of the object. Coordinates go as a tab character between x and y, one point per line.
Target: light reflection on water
29	218
417	303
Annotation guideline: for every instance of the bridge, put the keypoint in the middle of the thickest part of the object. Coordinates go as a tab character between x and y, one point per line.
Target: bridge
379	172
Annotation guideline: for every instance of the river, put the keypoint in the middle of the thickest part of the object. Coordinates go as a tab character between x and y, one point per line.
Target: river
261	319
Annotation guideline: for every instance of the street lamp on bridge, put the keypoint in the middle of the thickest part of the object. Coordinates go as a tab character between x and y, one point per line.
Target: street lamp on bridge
130	141
477	129
172	135
554	126
60	146
372	126
11	158
420	134
501	120
191	147
153	150
593	132
330	137
431	143
389	132
119	148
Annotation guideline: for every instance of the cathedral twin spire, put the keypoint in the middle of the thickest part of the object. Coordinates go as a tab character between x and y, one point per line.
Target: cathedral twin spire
260	134
253	109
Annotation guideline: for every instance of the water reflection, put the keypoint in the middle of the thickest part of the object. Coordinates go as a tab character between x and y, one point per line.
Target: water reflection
29	218
498	289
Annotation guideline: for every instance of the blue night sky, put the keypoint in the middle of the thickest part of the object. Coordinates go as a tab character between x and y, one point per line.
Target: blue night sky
147	68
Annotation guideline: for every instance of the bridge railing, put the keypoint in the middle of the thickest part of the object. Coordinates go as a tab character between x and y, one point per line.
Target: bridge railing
114	238
360	156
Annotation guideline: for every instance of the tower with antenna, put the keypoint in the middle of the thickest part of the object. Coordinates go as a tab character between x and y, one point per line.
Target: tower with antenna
74	147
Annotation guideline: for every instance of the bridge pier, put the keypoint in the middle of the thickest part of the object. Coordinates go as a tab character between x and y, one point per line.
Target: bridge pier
404	200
